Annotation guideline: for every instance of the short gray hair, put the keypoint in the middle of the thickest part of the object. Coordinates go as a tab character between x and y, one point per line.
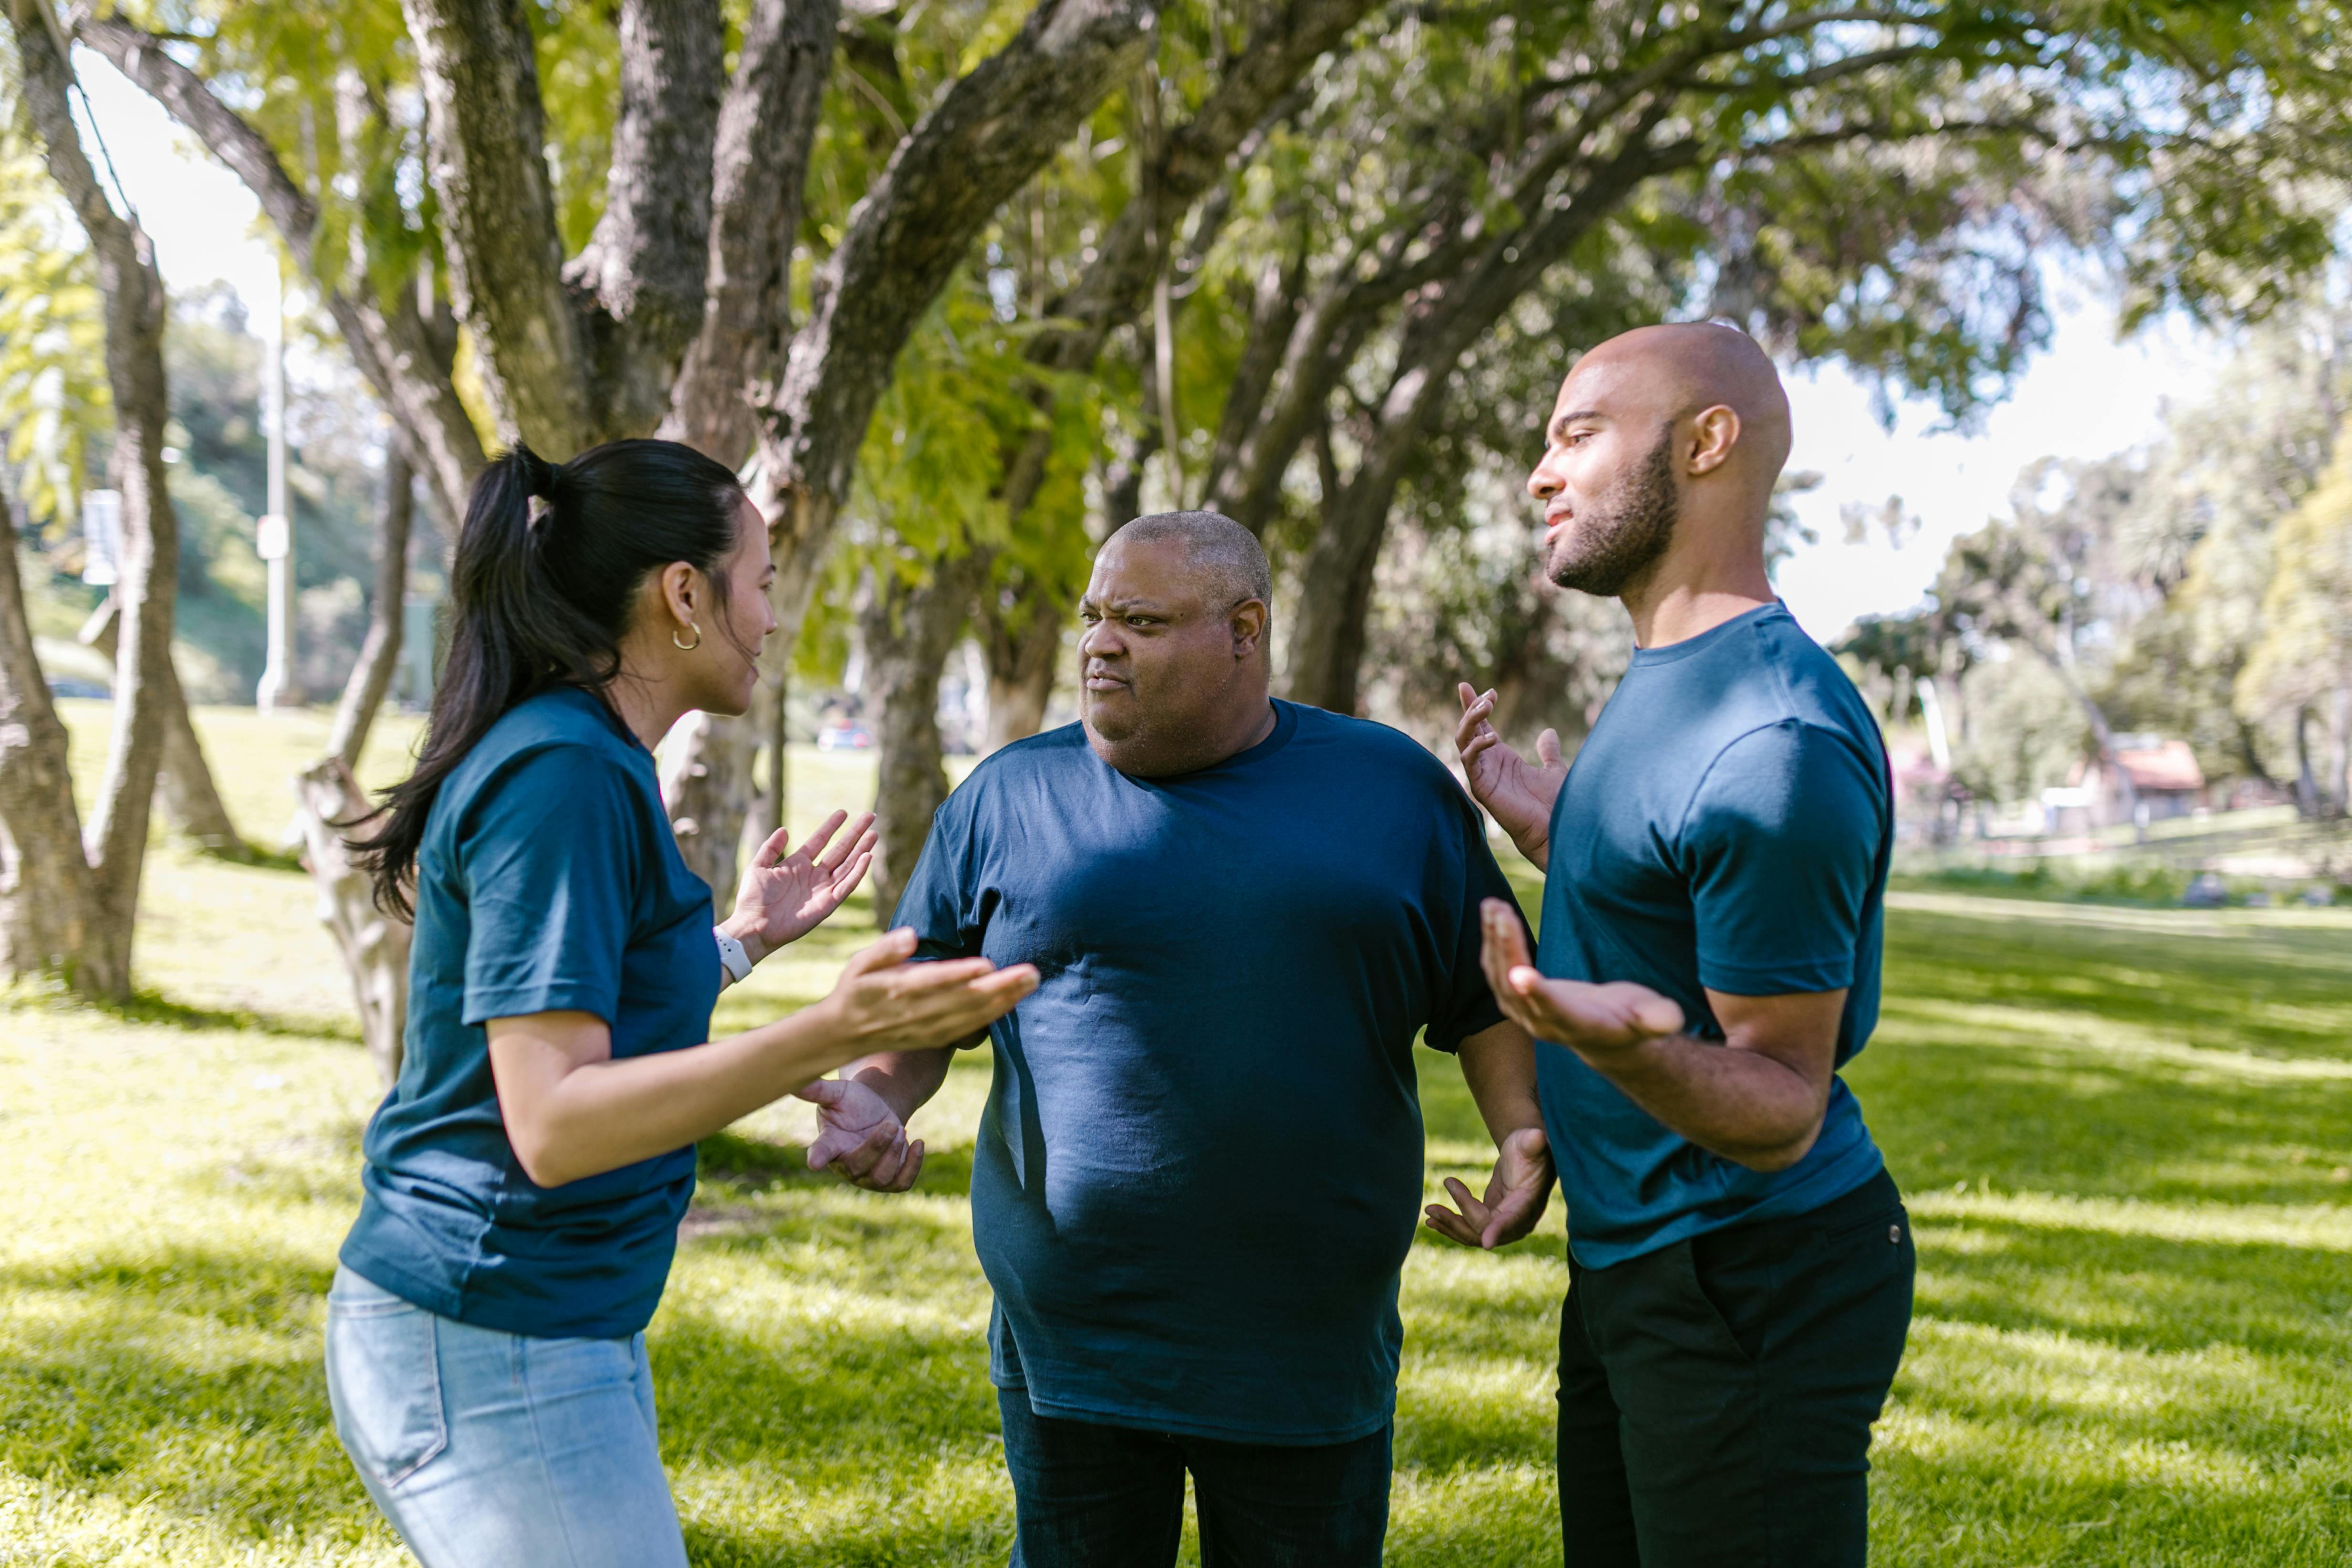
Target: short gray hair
1213	541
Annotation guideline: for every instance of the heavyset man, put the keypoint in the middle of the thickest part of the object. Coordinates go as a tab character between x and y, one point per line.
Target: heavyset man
1740	1261
1197	1176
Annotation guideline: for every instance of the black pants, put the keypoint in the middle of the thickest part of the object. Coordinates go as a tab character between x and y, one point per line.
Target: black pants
1715	1396
1089	1495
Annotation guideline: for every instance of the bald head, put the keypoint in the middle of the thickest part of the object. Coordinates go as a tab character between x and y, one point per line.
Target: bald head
1675	371
1665	445
1228	557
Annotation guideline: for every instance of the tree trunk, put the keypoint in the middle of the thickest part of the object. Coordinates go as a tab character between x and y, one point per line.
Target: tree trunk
191	800
1330	613
380	653
374	945
49	915
908	632
2307	778
135	306
2339	751
1022	643
709	790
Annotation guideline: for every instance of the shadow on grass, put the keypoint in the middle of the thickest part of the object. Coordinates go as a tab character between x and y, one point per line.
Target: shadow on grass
153	1007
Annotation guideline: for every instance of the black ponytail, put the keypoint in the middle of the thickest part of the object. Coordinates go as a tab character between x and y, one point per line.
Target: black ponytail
541	597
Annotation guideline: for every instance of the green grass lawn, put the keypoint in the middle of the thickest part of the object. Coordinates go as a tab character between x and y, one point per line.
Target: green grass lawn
2126	1135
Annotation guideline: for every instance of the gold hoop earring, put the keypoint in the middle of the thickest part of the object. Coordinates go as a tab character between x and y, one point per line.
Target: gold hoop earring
686	646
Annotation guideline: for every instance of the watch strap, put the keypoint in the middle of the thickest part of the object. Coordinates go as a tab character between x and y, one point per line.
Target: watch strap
736	962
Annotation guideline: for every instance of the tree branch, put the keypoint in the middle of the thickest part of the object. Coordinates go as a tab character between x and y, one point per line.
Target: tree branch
135	305
1286	40
646	262
486	129
390	344
993	131
767	126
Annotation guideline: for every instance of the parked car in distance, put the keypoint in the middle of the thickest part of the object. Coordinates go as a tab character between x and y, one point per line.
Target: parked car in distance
67	686
845	737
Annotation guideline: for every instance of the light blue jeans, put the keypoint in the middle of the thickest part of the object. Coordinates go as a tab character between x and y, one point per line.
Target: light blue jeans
495	1450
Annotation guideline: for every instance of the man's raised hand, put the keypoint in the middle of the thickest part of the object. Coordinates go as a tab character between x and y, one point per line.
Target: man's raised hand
1515	1195
1519	795
861	1137
1611	1016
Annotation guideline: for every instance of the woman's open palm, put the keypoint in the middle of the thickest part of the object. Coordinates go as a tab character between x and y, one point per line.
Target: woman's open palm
789	892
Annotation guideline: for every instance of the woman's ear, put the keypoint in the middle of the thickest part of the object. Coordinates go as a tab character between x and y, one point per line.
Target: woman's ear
683	592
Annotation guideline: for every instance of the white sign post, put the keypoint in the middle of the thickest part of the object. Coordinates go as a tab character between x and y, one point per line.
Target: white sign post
101	538
274	535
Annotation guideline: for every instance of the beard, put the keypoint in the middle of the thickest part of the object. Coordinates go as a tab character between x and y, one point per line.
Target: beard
1627	531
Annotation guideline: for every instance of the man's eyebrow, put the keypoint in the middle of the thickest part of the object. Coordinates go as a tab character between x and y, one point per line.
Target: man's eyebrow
1560	422
1122	606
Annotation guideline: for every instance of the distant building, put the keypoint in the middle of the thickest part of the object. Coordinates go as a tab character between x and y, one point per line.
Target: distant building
2164	776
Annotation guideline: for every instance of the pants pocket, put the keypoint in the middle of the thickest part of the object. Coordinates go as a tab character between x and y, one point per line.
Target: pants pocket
383	1380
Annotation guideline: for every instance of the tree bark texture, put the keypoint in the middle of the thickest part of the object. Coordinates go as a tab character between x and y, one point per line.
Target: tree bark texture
708	789
767	126
373	945
487	131
49	915
115	840
908	629
380	651
1021	638
646	263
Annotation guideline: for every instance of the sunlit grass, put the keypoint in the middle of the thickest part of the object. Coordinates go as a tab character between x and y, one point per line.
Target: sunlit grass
2126	1135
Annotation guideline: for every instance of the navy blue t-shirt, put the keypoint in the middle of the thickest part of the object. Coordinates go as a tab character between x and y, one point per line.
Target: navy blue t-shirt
1200	1164
548	880
1727	826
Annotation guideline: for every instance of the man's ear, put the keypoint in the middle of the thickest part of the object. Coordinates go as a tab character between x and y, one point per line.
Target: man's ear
1716	432
1248	624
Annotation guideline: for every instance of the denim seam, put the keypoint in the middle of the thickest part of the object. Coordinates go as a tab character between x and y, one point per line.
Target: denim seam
440	1443
538	1446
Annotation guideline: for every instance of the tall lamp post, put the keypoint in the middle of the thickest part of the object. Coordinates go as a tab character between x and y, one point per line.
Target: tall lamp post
274	537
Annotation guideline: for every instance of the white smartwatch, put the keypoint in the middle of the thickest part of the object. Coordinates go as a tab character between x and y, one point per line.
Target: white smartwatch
731	957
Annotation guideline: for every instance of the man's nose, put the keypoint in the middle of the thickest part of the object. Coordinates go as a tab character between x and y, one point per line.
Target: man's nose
1543	484
1100	641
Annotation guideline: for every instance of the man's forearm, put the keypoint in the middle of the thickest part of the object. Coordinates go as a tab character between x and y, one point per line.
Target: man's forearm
1740	1104
904	1080
1500	1065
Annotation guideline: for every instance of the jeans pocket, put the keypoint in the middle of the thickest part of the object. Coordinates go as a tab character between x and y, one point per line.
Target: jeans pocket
383	1380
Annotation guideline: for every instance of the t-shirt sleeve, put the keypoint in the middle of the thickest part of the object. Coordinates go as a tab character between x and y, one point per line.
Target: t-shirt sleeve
550	857
936	901
1464	1006
1781	845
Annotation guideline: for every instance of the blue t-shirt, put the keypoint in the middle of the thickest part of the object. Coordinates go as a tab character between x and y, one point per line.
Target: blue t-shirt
548	880
1200	1164
1727	826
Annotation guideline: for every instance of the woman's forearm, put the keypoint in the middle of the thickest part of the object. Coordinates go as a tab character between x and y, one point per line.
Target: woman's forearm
589	1116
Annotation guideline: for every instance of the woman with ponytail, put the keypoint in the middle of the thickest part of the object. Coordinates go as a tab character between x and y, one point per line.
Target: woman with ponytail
524	1179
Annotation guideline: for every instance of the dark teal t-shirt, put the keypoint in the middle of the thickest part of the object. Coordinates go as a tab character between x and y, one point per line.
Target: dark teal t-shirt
548	880
1200	1168
1727	826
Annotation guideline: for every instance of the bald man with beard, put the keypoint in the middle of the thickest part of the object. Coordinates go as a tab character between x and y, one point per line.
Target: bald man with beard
1740	1262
